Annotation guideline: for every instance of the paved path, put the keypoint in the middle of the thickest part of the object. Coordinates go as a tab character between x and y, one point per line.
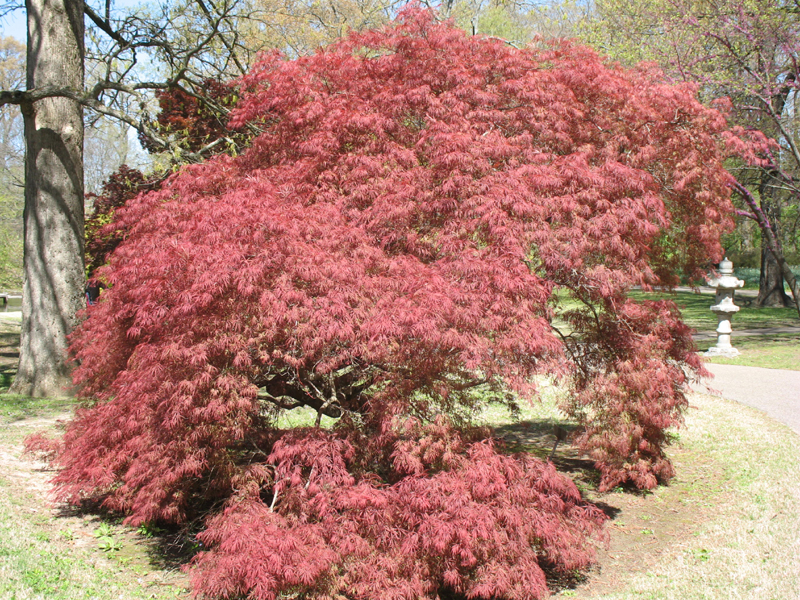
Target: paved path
774	391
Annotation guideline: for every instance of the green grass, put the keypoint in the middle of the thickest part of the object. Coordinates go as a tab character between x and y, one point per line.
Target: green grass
16	408
772	351
30	567
49	557
750	548
779	351
696	313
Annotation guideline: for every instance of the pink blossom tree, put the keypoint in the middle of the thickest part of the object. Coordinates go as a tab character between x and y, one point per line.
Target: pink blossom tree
746	52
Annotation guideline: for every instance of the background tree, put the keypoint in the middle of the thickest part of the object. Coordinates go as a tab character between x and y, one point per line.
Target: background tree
299	27
519	21
109	144
12	149
12	145
746	51
102	237
425	223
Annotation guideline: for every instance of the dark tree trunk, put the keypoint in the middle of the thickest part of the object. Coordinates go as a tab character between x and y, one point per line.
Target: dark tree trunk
53	263
770	284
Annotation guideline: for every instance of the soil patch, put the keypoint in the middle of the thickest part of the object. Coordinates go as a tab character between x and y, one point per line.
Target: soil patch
137	559
642	526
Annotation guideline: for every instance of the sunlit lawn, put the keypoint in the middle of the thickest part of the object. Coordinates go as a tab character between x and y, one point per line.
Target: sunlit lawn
697	314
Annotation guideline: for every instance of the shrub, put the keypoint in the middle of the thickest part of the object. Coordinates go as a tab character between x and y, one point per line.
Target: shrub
120	187
427	223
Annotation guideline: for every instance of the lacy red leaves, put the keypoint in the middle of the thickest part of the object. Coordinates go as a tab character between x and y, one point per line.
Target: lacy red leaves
428	222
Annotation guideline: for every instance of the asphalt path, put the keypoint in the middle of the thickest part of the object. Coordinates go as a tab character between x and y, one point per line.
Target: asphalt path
774	391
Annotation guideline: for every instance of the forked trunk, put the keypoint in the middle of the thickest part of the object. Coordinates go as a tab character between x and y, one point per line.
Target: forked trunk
770	284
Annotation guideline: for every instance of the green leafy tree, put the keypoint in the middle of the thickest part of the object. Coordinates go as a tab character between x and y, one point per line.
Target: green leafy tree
12	148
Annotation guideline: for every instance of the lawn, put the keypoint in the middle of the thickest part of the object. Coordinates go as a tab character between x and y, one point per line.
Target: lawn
695	310
775	351
51	552
725	527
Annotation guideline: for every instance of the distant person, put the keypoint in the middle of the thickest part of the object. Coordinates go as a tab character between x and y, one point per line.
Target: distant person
93	288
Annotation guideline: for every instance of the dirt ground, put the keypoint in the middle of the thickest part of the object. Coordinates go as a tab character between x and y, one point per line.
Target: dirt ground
144	562
642	526
141	562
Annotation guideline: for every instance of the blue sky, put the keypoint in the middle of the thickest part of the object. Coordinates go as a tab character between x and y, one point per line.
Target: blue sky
14	25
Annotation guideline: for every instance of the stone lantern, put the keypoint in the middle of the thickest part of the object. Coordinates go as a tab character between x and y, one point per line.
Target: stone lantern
724	308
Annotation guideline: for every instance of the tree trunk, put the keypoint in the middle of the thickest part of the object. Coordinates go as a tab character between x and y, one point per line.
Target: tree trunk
53	263
770	283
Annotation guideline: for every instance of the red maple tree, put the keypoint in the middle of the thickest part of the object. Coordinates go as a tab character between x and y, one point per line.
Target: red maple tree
428	222
198	124
102	237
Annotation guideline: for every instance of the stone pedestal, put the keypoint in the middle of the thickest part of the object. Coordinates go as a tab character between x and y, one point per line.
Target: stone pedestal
724	308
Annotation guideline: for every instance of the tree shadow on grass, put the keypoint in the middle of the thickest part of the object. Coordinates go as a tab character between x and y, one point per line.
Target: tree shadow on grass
155	555
538	437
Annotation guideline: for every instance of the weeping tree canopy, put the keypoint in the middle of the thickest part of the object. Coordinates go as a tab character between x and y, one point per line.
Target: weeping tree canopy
426	223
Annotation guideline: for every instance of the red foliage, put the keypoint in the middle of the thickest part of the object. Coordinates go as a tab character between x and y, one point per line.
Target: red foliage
43	447
395	246
465	519
194	120
197	122
121	186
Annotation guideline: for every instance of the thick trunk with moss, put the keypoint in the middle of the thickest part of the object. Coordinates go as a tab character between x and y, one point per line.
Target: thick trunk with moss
53	263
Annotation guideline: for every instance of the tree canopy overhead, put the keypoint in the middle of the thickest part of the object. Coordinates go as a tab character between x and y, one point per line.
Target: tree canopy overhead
427	222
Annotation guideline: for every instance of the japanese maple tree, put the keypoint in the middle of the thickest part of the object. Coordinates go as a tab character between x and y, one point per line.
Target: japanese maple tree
198	126
428	222
123	185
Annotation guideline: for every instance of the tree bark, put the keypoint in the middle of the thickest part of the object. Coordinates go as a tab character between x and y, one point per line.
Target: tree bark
770	282
771	290
54	236
769	237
